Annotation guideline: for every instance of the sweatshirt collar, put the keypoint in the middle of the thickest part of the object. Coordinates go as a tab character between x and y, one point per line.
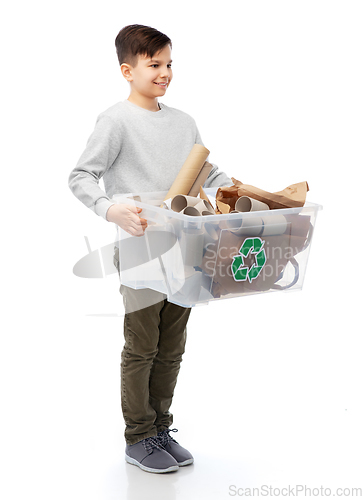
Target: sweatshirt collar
146	112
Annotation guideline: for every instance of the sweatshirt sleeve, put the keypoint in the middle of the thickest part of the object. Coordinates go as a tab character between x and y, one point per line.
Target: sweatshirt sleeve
216	178
103	147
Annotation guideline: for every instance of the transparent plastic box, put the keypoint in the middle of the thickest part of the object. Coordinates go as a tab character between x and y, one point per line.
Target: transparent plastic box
195	260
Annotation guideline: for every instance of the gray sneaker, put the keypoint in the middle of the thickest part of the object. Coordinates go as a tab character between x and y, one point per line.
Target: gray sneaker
181	455
150	456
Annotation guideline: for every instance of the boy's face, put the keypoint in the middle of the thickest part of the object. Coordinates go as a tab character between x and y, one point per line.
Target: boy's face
151	77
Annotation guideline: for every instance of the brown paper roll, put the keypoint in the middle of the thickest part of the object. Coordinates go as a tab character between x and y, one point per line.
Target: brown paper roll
247	204
181	201
200	180
204	207
211	233
274	225
191	211
191	245
189	171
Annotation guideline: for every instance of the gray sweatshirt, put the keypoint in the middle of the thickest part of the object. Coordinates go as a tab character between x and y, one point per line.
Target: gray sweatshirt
135	150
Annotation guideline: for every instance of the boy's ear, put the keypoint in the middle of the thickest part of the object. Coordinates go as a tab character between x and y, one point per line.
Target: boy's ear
126	71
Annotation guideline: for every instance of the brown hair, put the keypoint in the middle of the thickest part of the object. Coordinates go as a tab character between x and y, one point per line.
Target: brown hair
135	40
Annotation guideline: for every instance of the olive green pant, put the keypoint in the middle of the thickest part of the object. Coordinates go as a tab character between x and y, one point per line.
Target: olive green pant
155	336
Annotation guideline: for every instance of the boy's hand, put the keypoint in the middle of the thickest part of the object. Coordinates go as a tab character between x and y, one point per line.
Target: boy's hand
126	217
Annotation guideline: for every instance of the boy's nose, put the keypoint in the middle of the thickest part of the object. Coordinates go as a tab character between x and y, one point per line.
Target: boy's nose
165	72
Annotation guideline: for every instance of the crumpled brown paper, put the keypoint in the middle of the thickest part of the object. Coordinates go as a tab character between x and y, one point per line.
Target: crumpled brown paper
290	197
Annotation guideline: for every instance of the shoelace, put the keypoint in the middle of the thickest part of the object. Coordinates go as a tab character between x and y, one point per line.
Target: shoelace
151	443
164	437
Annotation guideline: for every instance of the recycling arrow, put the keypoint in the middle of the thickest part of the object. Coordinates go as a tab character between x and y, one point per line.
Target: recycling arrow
239	270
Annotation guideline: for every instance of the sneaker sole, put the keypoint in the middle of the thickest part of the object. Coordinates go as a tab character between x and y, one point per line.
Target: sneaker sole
132	461
186	462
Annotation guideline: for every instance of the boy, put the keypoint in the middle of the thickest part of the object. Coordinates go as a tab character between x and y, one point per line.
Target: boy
139	145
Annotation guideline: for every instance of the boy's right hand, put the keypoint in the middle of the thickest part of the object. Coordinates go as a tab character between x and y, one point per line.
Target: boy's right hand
126	216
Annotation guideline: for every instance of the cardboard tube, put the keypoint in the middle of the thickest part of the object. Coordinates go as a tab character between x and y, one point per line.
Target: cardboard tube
181	201
251	226
231	223
247	204
189	171
200	180
274	225
210	233
204	207
191	211
248	226
242	225
191	245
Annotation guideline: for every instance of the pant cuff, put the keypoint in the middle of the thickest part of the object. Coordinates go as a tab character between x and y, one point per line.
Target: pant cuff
137	439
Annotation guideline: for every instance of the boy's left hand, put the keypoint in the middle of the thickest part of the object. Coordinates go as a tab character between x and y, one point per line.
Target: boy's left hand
126	217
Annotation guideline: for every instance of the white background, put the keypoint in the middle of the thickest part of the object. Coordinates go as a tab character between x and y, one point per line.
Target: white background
270	387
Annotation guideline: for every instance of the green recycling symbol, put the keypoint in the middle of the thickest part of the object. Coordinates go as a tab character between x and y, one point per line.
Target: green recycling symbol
241	272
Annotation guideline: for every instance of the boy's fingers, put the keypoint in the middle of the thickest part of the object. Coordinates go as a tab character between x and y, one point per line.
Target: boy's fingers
138	231
135	210
139	222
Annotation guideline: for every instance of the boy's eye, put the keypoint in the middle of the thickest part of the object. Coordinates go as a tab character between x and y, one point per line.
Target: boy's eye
156	65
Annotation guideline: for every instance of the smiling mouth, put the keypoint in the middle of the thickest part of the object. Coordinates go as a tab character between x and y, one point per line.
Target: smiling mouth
161	84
